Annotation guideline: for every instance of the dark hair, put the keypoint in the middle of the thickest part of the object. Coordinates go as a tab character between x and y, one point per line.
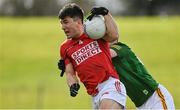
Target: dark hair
72	10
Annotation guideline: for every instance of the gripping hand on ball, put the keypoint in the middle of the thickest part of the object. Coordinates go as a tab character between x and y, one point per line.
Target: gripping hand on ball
98	11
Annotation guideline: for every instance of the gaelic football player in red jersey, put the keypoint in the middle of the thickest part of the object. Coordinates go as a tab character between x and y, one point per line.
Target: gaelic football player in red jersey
90	59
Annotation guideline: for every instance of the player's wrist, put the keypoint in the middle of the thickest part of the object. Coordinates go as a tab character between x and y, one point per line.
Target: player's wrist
74	89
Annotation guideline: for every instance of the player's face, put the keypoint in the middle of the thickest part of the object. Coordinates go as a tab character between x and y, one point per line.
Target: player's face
70	27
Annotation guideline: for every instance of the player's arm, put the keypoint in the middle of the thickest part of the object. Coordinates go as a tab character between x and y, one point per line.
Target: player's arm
66	66
70	75
111	29
72	80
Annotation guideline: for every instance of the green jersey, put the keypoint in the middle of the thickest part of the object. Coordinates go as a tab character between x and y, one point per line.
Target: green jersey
138	82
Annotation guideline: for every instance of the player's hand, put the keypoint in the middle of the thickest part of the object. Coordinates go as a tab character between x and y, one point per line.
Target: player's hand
61	66
74	89
98	11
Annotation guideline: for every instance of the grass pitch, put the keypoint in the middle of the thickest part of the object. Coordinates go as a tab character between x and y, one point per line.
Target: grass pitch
29	51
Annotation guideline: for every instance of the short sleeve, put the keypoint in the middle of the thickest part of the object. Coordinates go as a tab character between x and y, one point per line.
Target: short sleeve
63	55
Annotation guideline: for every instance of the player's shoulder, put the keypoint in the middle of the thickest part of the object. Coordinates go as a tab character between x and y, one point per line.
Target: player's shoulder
64	46
66	43
116	46
103	42
120	48
119	45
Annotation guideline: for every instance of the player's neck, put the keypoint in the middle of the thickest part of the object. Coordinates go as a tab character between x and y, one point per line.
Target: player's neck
80	33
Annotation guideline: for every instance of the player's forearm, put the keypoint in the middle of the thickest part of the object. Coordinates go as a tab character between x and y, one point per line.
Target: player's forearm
70	75
71	79
111	29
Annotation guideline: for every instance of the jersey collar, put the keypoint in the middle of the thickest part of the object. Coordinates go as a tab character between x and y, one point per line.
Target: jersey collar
83	36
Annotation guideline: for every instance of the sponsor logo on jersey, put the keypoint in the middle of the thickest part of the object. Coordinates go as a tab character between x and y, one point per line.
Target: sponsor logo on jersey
86	52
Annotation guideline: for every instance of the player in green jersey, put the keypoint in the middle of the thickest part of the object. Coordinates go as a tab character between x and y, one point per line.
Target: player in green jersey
142	89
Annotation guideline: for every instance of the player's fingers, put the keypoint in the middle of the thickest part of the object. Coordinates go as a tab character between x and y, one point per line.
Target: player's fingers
73	93
90	17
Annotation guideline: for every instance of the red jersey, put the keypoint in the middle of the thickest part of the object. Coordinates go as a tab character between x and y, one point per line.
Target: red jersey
91	60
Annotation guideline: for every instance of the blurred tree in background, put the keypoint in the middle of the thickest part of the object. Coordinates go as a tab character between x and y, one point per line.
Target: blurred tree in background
152	7
117	7
29	7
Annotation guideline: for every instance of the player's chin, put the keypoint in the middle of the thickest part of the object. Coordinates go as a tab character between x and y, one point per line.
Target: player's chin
69	36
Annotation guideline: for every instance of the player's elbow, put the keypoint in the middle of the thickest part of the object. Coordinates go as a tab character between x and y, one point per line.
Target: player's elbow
115	36
111	38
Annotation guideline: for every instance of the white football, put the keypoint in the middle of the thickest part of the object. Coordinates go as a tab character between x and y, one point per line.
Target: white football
95	28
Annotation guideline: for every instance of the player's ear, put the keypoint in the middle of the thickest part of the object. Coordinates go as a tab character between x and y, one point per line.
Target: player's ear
76	19
79	21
